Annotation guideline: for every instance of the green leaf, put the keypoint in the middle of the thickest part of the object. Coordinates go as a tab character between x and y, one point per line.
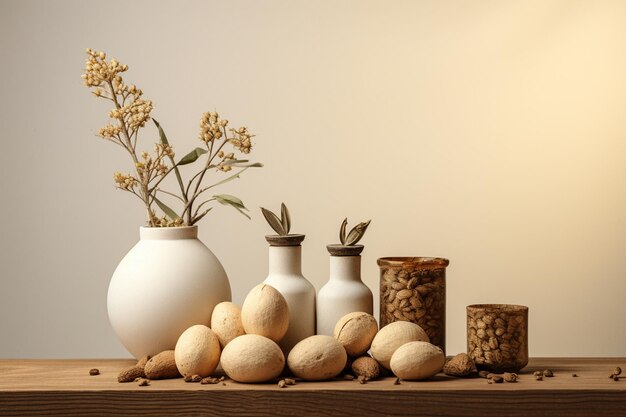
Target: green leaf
273	221
161	133
228	179
168	211
342	231
242	163
176	171
229	200
285	220
192	156
200	216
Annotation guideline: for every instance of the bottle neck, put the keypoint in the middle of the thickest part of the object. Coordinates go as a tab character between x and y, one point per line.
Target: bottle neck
345	268
285	260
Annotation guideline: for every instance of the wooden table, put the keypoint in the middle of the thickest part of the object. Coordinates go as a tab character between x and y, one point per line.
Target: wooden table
64	387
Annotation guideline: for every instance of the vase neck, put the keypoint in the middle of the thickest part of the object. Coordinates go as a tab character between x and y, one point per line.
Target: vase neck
168	233
285	260
345	268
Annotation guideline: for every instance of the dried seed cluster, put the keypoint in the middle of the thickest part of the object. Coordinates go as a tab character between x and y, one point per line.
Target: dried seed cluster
415	294
497	340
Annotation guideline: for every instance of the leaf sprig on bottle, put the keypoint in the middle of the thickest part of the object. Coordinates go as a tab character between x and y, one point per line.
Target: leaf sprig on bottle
129	115
355	234
280	225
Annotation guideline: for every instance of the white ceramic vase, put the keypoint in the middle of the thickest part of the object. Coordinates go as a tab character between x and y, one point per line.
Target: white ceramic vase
344	292
168	282
285	274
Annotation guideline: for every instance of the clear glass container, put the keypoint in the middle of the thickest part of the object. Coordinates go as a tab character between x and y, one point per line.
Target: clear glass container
497	336
414	289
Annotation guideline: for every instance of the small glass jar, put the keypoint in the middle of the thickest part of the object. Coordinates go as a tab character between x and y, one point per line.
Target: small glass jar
497	336
414	289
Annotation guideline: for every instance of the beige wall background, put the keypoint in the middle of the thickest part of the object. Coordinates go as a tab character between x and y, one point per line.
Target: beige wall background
488	132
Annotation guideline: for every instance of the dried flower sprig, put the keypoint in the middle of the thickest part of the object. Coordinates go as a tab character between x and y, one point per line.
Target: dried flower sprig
280	225
130	114
354	235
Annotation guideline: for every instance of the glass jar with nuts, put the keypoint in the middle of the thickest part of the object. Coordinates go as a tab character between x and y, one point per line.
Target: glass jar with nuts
414	289
497	336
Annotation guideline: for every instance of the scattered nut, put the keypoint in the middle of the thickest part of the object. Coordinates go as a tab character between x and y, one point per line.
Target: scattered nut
143	382
94	372
187	378
548	373
196	378
162	366
412	293
460	365
282	384
290	381
483	374
141	363
617	371
363	379
496	379
538	373
510	377
539	377
615	378
397	381
348	377
366	366
130	374
574	375
209	380
223	383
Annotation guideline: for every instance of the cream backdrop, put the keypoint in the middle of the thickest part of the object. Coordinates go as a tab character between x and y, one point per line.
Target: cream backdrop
488	132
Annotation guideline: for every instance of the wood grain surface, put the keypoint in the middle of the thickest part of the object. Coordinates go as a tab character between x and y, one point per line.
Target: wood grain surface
64	387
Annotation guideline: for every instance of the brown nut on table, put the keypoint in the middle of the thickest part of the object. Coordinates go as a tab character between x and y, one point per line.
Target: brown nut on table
461	365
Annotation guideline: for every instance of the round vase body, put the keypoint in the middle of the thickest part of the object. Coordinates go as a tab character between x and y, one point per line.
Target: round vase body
343	293
168	282
285	275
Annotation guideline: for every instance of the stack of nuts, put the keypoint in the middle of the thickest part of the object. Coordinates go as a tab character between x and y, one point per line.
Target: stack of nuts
245	340
417	295
497	336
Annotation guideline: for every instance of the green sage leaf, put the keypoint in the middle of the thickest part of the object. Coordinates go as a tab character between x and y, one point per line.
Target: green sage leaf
168	211
230	200
192	156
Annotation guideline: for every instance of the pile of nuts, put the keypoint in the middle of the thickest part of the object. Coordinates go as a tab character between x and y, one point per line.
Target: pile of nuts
497	337
415	293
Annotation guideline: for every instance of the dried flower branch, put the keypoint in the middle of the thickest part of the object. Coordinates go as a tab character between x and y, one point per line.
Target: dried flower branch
130	114
354	235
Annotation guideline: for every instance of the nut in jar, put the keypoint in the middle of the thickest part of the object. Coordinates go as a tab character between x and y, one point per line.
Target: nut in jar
497	336
414	289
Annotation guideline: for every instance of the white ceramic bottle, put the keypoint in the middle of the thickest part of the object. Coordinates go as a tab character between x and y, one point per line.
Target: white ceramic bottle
285	274
344	292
